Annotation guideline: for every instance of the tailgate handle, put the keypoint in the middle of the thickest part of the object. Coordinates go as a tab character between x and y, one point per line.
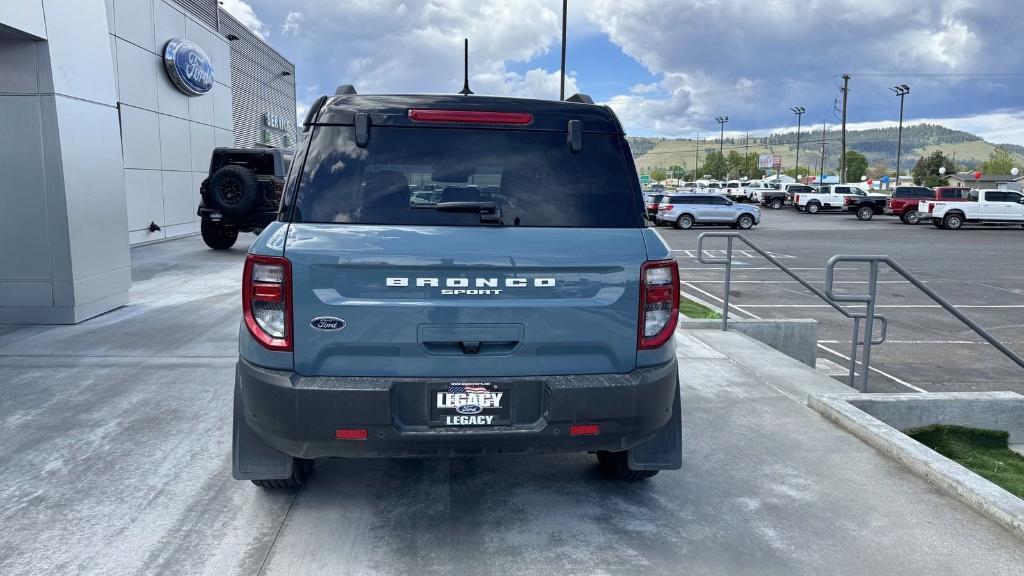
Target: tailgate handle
470	339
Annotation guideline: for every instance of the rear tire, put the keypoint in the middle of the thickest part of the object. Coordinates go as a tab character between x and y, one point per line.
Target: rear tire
776	204
217	236
616	465
301	469
813	208
911	217
684	222
865	213
233	190
953	222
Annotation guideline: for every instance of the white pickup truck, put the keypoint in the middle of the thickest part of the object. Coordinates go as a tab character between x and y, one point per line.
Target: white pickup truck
983	206
824	198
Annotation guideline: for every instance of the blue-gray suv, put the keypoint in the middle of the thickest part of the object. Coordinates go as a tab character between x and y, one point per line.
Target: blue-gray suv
457	276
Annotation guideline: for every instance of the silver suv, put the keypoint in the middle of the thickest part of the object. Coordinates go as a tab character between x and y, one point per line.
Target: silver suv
685	210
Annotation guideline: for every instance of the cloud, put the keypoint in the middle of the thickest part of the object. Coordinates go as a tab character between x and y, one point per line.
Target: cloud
754	59
292	24
244	13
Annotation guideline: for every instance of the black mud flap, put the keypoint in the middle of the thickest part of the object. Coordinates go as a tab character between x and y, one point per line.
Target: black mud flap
251	458
665	450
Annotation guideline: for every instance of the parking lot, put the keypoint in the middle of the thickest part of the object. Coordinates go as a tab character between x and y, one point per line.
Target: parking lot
117	460
978	268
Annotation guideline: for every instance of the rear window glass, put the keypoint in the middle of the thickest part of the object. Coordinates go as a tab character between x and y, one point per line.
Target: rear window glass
404	174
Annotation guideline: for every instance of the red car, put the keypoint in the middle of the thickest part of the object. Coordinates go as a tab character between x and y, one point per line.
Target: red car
905	200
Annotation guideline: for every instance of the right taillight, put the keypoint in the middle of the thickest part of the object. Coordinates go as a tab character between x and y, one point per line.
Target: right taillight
659	303
666	207
796	199
267	300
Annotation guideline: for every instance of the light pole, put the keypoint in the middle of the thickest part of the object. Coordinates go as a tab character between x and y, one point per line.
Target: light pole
561	86
799	111
901	91
721	138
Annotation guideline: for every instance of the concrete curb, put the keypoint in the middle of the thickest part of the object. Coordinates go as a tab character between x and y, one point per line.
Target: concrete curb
796	338
975	491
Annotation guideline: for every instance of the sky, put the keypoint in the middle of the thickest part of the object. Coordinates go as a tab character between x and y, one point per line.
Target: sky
669	67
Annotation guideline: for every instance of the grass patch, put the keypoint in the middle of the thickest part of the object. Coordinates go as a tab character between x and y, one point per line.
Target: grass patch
984	452
692	309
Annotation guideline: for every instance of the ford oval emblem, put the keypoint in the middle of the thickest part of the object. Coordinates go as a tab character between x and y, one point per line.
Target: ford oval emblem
327	323
188	67
468	409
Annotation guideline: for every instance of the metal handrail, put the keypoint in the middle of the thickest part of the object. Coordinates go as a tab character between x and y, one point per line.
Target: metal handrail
869	317
870	298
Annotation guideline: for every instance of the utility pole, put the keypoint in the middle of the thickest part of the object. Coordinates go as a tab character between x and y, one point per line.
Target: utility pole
799	111
901	91
561	88
821	173
842	159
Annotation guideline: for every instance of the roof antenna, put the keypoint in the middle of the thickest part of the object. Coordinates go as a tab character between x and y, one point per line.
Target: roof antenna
465	84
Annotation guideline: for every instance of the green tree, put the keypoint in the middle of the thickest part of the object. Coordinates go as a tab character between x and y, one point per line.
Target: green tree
658	175
734	162
677	171
715	165
926	171
856	165
999	162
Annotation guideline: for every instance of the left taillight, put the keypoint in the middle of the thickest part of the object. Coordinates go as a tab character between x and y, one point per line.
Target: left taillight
659	303
267	301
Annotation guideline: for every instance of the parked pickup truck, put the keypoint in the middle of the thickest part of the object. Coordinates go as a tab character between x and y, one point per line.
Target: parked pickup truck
865	205
776	199
982	206
916	210
824	198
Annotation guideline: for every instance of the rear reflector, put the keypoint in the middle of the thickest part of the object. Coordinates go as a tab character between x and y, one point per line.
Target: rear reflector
350	434
584	430
470	116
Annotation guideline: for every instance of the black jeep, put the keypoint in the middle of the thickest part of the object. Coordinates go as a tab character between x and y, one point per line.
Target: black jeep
242	192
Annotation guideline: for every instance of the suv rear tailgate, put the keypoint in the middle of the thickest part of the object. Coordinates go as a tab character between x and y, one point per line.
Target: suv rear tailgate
415	300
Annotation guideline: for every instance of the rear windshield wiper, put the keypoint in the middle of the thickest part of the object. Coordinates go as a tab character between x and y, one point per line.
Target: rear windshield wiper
489	213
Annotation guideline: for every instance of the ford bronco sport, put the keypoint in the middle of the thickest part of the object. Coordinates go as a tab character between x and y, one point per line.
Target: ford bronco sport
521	306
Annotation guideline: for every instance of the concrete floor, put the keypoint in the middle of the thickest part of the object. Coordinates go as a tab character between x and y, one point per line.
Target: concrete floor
115	439
980	268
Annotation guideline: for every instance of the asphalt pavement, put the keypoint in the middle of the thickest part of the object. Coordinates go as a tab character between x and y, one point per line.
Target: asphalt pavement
980	269
116	450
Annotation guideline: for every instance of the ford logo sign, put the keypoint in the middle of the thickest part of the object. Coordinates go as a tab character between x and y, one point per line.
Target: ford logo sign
468	409
188	67
327	323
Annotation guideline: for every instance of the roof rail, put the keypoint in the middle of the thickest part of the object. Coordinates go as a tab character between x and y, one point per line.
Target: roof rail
580	98
312	112
344	90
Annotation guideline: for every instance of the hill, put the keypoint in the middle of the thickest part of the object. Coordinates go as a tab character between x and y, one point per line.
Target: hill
878	145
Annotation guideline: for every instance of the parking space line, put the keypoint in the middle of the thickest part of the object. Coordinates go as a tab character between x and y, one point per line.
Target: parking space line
897	306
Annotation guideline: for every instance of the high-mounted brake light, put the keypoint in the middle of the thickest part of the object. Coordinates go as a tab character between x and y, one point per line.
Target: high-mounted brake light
659	303
470	116
267	301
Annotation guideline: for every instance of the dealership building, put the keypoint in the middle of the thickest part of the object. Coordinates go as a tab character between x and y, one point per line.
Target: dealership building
109	112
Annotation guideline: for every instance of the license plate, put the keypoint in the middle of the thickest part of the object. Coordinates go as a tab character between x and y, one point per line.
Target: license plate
469	404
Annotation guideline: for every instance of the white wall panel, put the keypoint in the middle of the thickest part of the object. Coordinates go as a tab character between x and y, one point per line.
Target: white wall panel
198	33
23	221
140	135
143	191
24	15
171	100
224	138
168	23
221	59
174	144
178	205
133	21
200	108
136	76
80	49
202	142
222	106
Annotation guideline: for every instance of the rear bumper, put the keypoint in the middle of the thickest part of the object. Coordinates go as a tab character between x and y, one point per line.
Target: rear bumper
299	415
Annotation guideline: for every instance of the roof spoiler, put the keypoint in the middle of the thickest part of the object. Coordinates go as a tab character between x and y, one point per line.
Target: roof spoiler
580	98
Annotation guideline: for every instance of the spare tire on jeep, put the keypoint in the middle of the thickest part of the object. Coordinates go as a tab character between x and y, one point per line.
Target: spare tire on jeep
233	190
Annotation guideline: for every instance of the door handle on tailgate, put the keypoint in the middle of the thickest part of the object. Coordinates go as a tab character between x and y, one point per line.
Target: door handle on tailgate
475	339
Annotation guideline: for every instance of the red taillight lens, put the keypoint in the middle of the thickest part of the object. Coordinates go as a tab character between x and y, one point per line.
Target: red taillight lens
659	303
470	116
667	207
584	430
351	434
796	199
267	301
930	208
